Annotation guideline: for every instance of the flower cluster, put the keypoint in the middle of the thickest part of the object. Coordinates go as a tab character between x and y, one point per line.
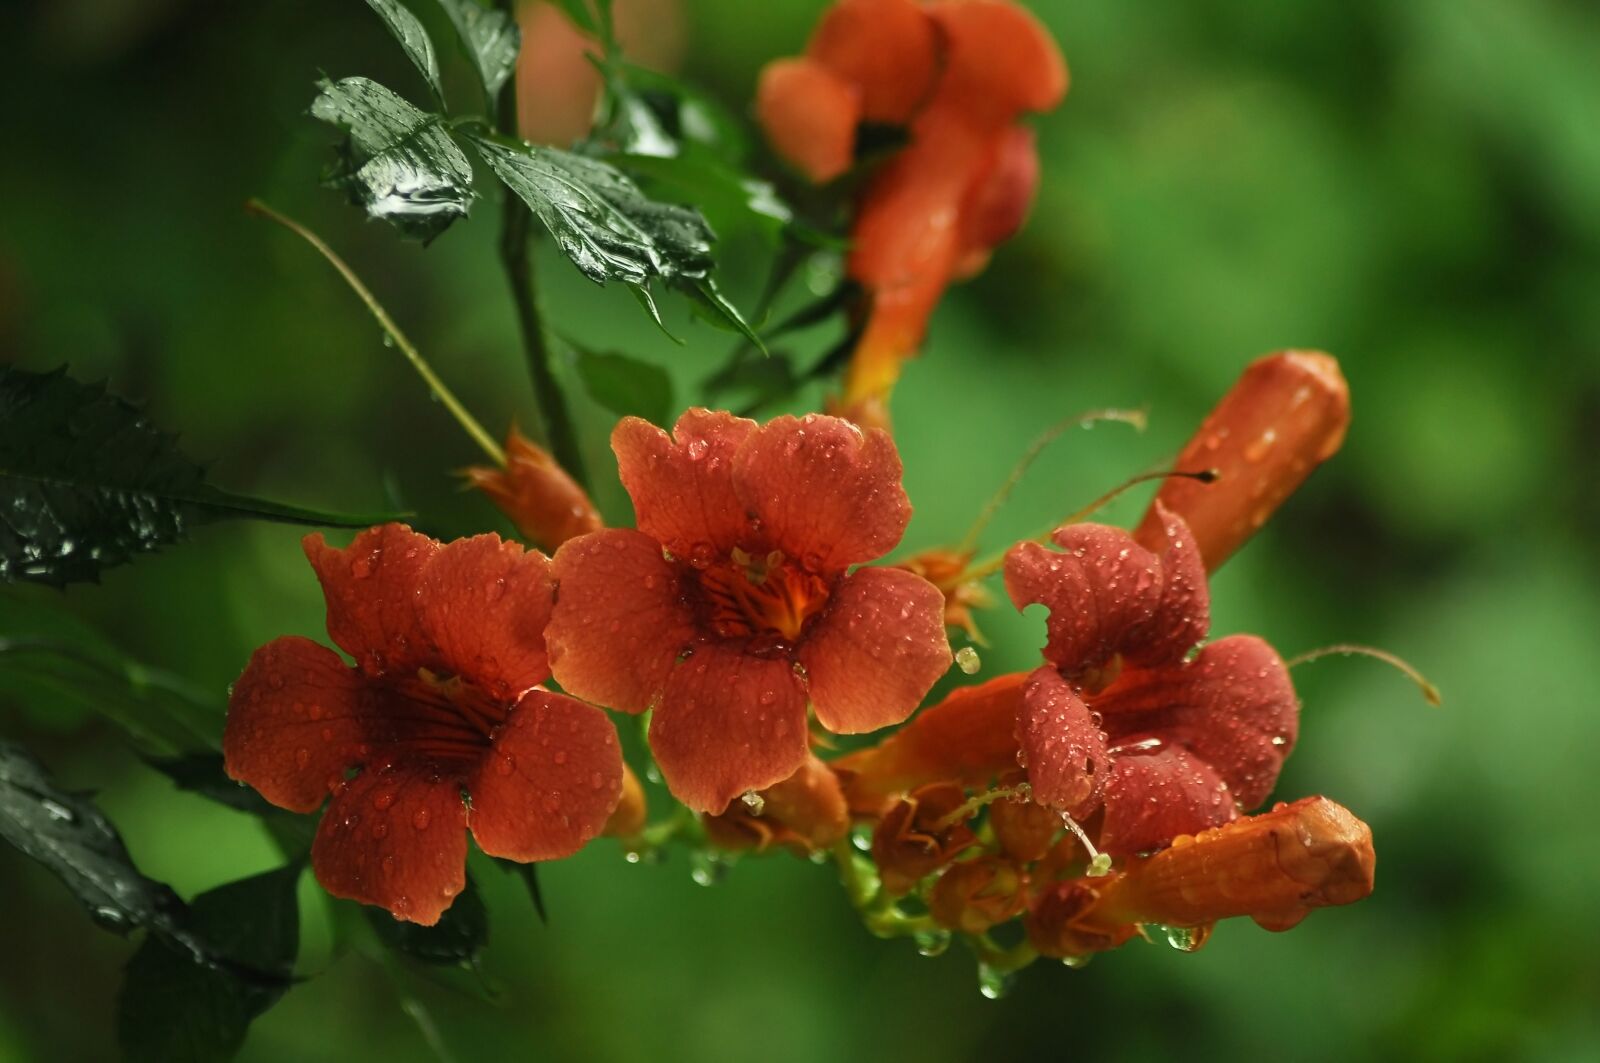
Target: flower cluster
956	75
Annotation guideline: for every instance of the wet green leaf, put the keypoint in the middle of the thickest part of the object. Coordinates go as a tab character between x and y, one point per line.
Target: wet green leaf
455	940
86	482
74	840
491	38
174	1010
397	163
627	386
409	31
529	874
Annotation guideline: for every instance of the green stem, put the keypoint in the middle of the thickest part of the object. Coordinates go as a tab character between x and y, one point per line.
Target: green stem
445	396
1003	960
554	427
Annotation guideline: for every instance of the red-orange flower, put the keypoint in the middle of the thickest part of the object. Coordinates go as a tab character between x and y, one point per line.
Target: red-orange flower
805	813
733	604
439	728
1120	717
958	74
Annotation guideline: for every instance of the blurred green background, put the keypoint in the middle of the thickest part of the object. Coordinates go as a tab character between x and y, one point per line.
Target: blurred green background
1414	187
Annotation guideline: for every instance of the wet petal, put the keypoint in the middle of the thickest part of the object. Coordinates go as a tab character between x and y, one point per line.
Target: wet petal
619	621
1183	614
484	604
826	493
1064	748
682	486
877	651
809	114
551	782
969	737
1153	797
1101	589
1286	415
396	838
728	722
370	585
296	718
887	48
1233	706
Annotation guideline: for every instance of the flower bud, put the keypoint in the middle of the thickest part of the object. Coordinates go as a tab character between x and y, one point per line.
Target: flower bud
974	895
805	813
913	840
628	819
1285	416
547	506
1025	830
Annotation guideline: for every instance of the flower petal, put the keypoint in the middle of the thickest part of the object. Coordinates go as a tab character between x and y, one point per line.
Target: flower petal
877	651
682	486
969	737
550	784
1065	750
1183	614
1101	588
296	718
728	722
999	60
889	48
619	622
810	115
483	604
395	837
545	503
1233	706
825	492
1153	797
370	586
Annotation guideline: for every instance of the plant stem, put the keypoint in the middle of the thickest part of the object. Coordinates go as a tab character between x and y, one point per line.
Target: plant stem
554	426
445	396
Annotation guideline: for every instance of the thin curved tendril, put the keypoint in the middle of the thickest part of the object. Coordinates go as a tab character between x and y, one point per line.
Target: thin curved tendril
458	411
1430	693
986	568
1137	418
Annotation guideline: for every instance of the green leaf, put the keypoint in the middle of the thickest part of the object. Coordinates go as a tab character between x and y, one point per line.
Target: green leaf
607	227
627	386
730	202
577	11
203	774
599	218
455	940
713	307
491	38
86	482
397	163
409	31
173	1010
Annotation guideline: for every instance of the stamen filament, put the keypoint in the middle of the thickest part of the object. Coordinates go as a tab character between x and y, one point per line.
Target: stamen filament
1137	418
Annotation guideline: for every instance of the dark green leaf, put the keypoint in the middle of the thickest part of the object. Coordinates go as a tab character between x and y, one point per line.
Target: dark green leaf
203	774
409	31
599	218
578	12
490	37
397	163
730	202
698	124
86	483
70	836
756	381
173	1010
529	873
627	386
713	307
456	939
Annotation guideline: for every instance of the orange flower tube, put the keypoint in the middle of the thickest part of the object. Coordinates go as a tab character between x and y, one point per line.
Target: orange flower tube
1286	415
546	505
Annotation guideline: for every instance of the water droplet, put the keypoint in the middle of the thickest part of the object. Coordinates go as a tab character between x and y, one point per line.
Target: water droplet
302	756
754	802
967	660
931	942
382	801
505	764
994	984
420	820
